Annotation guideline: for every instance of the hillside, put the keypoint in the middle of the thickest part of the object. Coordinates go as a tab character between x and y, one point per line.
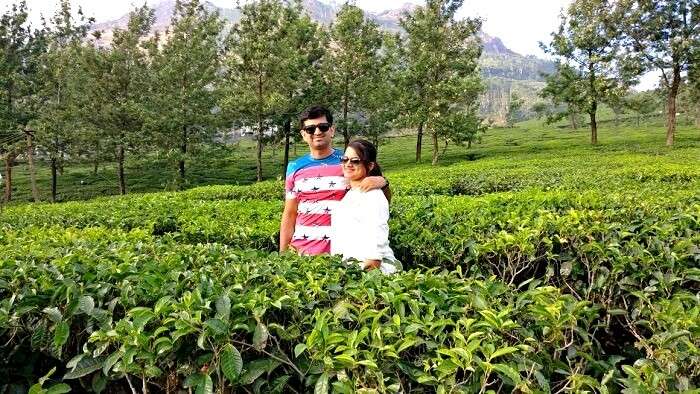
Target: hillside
503	69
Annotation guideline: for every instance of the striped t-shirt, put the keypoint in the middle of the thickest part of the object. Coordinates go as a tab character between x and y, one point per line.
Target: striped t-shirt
318	185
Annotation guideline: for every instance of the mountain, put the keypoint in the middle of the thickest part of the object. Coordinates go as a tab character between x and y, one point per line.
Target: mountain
504	70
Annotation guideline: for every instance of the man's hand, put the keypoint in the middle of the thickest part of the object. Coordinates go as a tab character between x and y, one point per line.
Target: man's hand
289	217
372	182
370	265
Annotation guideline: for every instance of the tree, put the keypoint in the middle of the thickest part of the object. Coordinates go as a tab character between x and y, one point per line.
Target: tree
59	86
586	49
351	64
440	78
564	88
380	109
660	35
515	104
21	47
185	88
642	104
615	99
300	80
119	83
694	79
256	61
542	109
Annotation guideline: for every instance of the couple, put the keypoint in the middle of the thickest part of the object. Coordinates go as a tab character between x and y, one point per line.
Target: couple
337	202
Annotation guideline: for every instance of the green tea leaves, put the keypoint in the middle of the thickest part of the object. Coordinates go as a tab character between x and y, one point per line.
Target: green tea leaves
260	336
231	362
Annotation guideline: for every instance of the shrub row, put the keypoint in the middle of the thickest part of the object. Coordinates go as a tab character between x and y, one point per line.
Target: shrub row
633	261
124	309
244	224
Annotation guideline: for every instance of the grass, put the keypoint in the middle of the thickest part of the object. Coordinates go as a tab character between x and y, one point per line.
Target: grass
235	164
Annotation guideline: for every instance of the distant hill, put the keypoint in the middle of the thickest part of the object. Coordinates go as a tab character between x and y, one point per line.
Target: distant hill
504	70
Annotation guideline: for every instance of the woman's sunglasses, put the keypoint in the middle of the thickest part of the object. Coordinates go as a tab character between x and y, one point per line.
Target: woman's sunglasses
311	129
355	161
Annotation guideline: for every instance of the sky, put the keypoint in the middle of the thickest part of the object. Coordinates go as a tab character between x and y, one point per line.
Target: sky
520	24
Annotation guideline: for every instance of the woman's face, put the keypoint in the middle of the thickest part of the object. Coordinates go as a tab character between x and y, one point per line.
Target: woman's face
352	169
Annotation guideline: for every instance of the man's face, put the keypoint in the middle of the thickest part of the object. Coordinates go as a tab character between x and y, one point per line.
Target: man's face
318	140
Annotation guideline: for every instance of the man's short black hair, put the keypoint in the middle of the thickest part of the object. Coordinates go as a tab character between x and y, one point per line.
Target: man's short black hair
315	112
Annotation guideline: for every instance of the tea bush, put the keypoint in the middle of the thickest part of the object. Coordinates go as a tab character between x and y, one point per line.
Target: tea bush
567	270
109	303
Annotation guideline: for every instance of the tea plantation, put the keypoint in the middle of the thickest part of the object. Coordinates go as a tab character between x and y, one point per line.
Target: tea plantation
537	265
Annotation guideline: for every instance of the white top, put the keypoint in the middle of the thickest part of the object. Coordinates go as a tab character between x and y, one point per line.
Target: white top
360	229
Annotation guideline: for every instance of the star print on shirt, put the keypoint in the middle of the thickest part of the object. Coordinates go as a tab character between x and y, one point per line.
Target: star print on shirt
327	210
326	238
332	184
315	188
305	237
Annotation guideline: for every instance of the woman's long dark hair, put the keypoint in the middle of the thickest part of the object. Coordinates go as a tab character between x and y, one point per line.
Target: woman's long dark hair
367	152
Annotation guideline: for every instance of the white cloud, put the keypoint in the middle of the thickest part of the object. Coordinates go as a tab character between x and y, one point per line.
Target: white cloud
520	24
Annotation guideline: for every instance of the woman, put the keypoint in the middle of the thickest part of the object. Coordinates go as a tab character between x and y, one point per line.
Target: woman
359	225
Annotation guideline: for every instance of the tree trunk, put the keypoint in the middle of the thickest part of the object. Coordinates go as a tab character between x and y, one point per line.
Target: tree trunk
9	162
120	170
346	132
594	104
469	144
260	131
61	163
96	162
572	119
419	143
436	148
697	117
260	151
638	118
287	129
444	149
54	178
32	168
183	151
594	126
671	106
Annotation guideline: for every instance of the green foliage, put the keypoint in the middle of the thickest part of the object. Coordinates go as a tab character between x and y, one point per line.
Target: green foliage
515	104
59	84
523	272
353	71
643	104
18	70
662	36
119	77
258	59
440	78
586	49
184	88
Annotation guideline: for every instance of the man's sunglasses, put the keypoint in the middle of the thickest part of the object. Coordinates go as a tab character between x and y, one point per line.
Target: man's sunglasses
311	129
355	161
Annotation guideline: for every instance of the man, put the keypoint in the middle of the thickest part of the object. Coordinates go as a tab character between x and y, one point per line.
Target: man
314	186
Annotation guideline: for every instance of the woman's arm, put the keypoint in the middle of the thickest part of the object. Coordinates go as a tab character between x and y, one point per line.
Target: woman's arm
377	227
